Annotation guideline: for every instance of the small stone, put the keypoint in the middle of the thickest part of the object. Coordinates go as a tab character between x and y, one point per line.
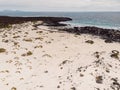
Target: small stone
99	79
13	88
115	54
46	72
58	86
81	75
2	50
90	41
29	53
73	88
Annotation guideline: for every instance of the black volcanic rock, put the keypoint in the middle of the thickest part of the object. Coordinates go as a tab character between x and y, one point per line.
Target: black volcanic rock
108	34
50	21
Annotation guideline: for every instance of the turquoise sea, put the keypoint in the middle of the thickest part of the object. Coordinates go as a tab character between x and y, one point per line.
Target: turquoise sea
100	19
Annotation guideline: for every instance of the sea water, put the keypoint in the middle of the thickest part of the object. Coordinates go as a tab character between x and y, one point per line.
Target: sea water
99	19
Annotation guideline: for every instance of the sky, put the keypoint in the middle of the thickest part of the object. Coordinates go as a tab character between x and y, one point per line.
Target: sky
60	5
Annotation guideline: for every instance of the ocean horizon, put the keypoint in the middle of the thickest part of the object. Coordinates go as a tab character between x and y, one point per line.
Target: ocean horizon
100	19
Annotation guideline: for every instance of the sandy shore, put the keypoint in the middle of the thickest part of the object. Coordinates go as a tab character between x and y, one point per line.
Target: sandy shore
44	59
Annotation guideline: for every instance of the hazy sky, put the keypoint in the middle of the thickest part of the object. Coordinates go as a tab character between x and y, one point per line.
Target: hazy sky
60	5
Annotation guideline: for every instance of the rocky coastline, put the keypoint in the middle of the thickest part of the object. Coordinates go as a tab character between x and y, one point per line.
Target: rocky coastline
109	35
6	21
35	53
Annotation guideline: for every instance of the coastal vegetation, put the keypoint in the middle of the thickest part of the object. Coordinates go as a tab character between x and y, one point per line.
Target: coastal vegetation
2	50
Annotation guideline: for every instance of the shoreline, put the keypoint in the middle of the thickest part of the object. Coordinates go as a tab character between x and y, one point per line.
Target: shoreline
6	21
84	25
109	35
34	56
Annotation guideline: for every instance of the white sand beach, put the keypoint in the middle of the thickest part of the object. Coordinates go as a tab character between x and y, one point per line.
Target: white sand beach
44	59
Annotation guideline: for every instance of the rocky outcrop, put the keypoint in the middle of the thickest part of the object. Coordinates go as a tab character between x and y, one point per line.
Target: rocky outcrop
108	34
5	21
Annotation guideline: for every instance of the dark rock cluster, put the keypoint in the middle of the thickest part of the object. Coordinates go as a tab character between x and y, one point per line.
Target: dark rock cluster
108	34
5	21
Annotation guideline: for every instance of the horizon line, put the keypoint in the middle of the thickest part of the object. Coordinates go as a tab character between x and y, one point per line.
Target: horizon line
53	11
